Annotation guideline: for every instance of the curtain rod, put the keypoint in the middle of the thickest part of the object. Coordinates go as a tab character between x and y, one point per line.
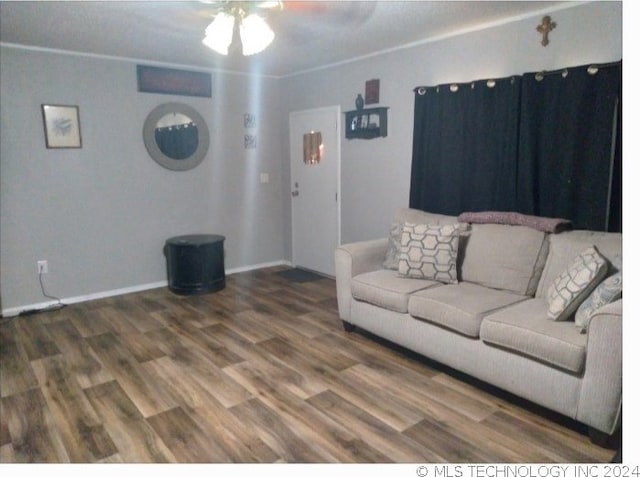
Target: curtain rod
491	82
591	68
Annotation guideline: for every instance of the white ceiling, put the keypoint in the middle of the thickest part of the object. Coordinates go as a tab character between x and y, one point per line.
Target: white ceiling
309	35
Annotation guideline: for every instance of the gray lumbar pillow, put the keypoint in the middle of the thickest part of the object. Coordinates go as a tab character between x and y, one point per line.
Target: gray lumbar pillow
393	249
607	292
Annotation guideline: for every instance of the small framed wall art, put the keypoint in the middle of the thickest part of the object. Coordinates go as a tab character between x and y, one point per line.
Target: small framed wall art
250	141
61	126
372	91
250	120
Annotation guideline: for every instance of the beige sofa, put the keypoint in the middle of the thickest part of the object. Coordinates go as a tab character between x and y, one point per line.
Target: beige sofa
493	323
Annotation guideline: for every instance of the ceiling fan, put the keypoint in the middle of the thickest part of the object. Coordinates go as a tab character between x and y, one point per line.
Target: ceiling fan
255	33
248	17
256	6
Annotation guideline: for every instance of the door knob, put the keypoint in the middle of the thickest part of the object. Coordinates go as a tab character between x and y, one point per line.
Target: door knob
295	193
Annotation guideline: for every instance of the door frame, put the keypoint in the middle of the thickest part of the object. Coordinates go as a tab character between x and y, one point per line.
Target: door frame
338	172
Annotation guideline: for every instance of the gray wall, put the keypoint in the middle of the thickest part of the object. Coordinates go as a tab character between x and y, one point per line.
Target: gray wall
375	173
100	214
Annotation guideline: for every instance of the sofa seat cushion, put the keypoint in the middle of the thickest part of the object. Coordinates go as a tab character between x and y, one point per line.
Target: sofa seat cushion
459	307
525	328
386	289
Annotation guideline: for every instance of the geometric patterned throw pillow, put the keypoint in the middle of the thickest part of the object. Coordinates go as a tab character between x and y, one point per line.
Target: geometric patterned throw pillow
607	292
429	251
573	285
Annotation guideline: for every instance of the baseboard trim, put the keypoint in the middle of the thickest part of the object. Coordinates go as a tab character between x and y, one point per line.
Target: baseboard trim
258	267
9	312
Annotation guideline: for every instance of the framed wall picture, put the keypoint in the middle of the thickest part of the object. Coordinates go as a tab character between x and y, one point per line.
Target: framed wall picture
372	91
61	126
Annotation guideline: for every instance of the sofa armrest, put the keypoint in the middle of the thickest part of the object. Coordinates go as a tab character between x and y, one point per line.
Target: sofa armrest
353	259
600	403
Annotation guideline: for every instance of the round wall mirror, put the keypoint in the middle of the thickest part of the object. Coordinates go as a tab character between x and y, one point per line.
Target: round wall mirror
176	136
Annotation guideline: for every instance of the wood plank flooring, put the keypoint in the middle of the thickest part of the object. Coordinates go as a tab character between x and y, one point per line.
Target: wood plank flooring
259	372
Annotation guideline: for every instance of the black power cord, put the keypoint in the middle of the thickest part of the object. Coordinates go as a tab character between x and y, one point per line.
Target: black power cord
56	306
59	304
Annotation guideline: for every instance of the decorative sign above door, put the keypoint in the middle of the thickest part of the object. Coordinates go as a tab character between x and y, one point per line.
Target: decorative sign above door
152	79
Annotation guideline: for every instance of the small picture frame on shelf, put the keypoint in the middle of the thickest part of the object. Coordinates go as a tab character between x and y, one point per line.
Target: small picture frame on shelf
61	126
372	91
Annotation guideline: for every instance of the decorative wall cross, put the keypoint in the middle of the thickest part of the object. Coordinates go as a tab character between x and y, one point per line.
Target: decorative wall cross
545	27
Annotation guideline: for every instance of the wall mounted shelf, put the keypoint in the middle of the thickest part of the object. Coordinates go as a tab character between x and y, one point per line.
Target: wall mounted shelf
366	123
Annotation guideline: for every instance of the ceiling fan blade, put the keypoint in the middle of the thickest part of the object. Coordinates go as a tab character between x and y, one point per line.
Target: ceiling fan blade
212	7
305	6
245	5
267	4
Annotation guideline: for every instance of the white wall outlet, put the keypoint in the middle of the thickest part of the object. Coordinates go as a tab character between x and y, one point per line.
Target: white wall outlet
264	177
43	267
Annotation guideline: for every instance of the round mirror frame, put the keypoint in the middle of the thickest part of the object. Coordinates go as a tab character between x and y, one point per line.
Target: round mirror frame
149	136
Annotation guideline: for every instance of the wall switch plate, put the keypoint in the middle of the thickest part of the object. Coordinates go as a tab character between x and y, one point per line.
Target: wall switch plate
43	267
264	178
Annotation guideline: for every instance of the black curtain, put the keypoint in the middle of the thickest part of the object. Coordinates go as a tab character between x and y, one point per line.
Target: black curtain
549	147
567	162
464	145
615	201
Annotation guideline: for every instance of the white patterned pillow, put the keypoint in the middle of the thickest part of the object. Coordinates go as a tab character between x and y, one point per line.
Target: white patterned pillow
607	292
574	284
429	251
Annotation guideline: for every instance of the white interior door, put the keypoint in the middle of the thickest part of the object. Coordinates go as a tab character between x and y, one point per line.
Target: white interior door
315	191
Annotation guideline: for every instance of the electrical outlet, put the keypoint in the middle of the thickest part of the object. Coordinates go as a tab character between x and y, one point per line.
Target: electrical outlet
43	267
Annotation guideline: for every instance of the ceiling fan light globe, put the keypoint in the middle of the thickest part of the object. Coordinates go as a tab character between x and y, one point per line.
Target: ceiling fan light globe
255	34
219	33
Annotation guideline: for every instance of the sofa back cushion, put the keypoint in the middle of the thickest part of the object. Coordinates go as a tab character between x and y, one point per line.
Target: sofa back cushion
566	246
505	257
415	216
